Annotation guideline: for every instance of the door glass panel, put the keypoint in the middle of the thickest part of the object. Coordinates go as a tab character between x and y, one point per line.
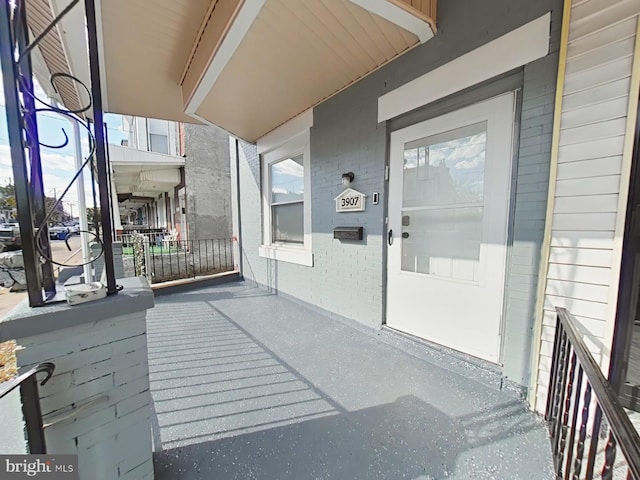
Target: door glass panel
443	203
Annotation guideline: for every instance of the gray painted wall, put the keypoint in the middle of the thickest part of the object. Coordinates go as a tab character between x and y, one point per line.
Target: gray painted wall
348	278
207	179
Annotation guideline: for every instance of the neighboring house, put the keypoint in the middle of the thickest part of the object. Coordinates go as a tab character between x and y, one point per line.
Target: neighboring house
489	185
148	175
163	178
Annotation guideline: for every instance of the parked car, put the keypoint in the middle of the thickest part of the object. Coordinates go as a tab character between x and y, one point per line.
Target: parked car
74	228
58	232
10	237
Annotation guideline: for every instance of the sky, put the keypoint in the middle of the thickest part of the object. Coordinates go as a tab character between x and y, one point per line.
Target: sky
58	165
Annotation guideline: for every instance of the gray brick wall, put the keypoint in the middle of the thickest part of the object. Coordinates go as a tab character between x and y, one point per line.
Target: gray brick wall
105	362
531	188
348	278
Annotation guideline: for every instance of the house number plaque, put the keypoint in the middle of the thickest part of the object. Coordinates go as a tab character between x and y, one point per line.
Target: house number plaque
350	201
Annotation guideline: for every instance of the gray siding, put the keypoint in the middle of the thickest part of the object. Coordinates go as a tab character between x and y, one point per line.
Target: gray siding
349	278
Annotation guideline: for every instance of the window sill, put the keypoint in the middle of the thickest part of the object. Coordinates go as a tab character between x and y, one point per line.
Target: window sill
286	253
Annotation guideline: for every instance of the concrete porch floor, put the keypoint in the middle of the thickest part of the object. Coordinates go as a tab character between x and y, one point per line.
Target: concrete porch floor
250	385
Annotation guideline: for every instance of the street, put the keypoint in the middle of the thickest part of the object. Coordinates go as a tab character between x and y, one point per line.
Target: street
60	253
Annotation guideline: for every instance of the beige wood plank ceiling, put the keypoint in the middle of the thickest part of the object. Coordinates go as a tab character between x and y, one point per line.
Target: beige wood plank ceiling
295	55
162	58
39	17
146	46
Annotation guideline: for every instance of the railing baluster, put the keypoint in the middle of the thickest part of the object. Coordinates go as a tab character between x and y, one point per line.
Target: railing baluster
574	417
170	260
200	256
554	370
178	246
206	253
226	263
582	436
593	446
185	246
565	415
151	269
609	456
560	391
168	243
219	257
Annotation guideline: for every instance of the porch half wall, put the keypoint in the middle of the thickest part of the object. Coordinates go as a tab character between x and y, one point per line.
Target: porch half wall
593	142
348	279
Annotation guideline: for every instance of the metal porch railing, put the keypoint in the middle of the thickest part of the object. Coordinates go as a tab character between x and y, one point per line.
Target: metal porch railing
587	425
28	384
163	260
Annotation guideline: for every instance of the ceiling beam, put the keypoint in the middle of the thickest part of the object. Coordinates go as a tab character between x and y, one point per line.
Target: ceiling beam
229	23
403	15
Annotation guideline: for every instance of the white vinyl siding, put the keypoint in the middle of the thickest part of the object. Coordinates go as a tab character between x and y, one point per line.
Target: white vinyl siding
592	137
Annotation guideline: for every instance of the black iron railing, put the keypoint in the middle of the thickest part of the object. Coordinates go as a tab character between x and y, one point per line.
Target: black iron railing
587	424
163	259
22	110
28	384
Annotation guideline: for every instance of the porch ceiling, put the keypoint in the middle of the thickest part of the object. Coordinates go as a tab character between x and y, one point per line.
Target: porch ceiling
145	180
248	65
145	45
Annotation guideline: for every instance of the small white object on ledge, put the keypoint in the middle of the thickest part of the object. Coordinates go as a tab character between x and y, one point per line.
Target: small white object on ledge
85	292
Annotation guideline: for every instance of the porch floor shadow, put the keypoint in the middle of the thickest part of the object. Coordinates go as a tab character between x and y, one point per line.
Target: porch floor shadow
250	385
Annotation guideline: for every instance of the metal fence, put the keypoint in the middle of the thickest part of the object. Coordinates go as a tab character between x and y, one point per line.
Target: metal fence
162	260
587	424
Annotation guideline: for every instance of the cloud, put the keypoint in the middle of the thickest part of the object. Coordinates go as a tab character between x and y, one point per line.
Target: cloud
57	173
461	153
55	161
465	164
289	167
49	160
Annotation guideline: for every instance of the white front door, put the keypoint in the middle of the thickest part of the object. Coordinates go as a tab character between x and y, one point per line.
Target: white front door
448	215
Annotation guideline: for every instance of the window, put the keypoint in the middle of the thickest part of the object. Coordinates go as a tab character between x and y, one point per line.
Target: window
286	202
158	136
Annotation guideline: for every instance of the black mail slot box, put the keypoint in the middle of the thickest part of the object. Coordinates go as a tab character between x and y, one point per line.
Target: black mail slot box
348	233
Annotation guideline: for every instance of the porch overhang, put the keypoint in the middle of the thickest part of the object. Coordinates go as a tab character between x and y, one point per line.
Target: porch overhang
143	174
248	66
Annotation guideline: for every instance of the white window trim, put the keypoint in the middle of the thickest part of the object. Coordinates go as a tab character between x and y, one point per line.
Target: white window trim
299	254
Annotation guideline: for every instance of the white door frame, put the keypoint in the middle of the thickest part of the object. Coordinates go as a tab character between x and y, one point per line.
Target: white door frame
499	112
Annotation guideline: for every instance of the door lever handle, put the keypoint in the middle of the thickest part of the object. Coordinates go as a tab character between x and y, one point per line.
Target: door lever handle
390	237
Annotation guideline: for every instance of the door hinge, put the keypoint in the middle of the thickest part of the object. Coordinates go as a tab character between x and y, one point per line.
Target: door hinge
386	173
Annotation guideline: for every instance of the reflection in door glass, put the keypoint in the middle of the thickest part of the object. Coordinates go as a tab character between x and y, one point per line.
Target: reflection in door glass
443	203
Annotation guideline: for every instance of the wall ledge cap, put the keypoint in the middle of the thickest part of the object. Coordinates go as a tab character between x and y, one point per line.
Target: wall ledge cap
24	321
